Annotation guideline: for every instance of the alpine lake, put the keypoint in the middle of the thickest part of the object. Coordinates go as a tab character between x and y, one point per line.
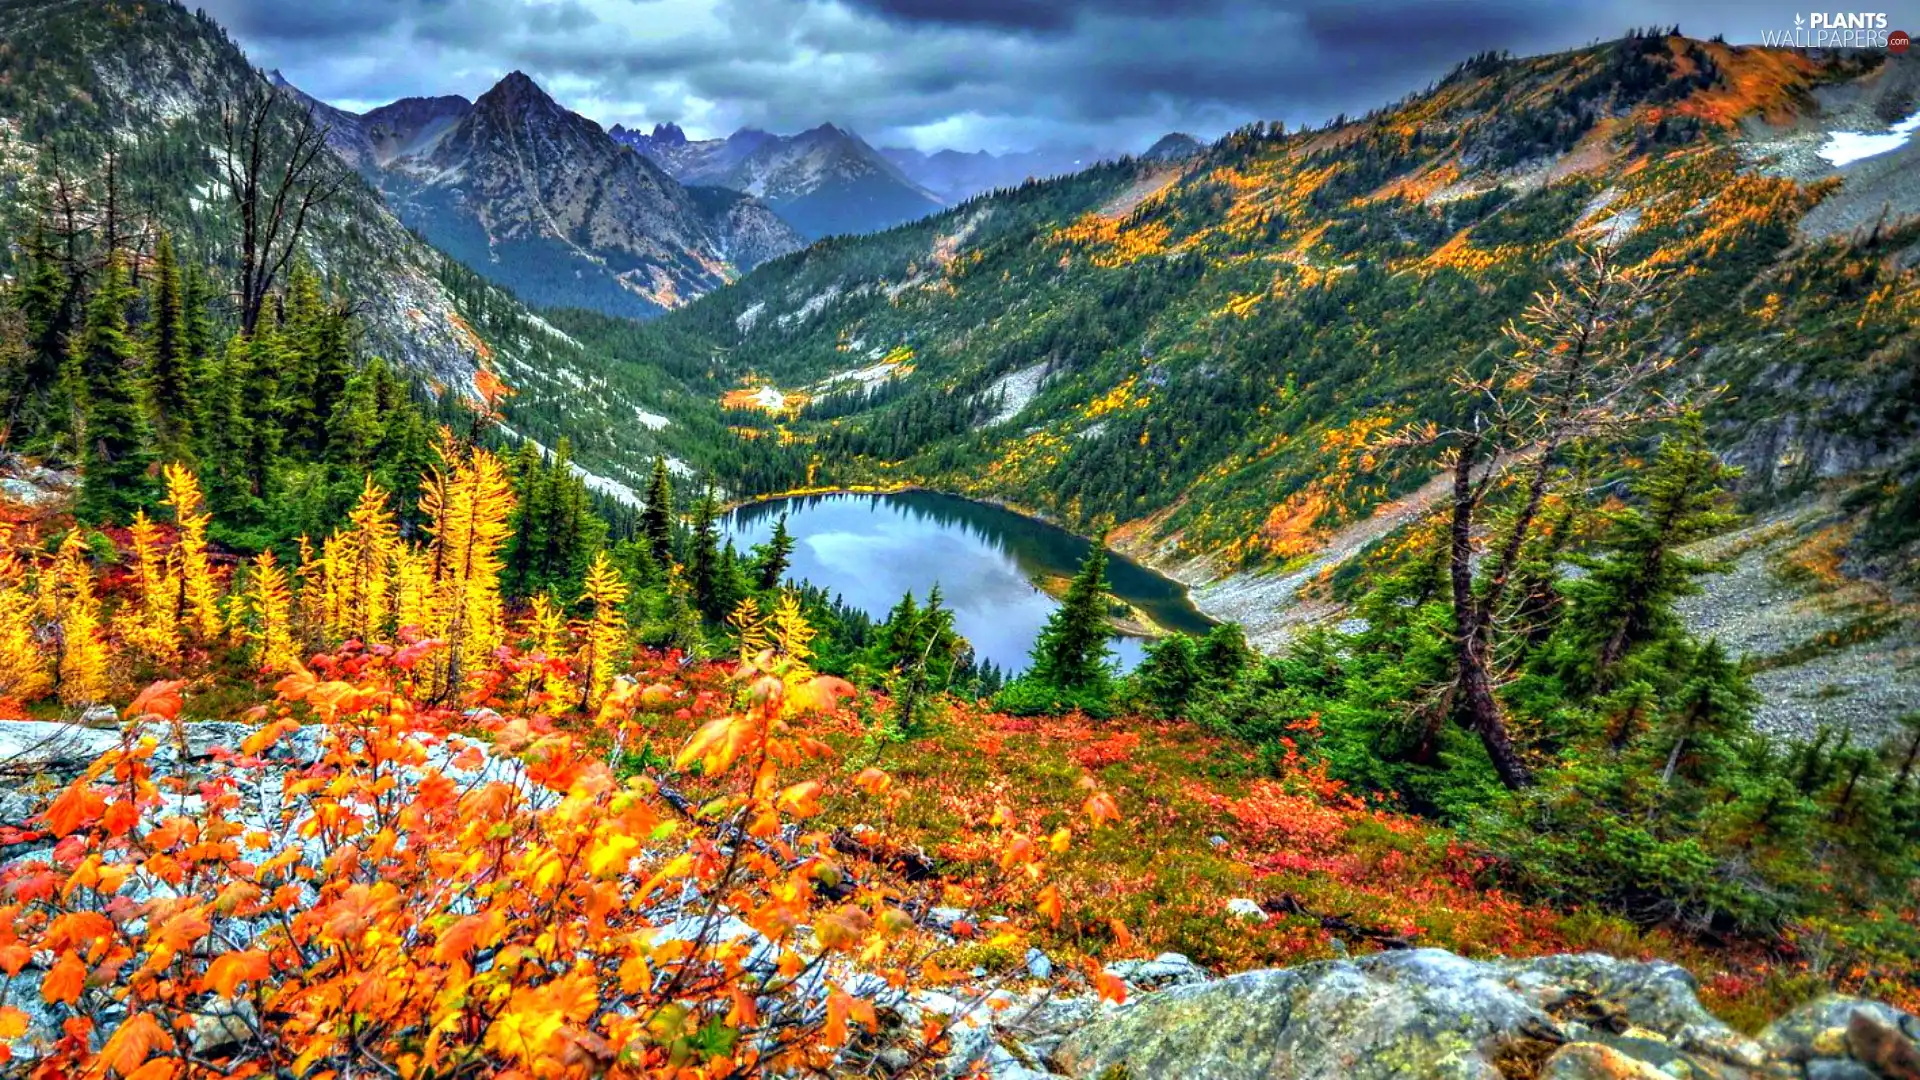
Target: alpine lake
998	571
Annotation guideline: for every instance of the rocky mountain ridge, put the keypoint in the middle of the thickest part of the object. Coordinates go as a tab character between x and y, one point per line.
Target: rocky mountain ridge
540	199
824	181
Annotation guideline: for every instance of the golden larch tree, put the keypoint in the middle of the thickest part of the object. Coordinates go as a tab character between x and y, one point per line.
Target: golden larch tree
606	632
83	653
23	666
152	625
547	631
468	504
270	596
198	604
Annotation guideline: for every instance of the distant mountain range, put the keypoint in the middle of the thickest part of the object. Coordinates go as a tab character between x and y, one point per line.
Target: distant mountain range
823	181
543	201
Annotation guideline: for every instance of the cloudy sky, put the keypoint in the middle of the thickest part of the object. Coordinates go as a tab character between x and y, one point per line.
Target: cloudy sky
992	74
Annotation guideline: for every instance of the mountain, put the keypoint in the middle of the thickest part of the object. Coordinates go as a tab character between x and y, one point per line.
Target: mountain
956	175
824	182
541	200
1201	356
1173	146
148	80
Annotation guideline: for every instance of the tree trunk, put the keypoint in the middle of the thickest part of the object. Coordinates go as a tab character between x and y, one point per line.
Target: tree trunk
1474	685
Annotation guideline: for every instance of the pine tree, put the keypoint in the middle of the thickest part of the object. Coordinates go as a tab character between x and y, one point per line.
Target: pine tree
656	522
171	365
772	558
1627	595
106	382
1169	674
704	571
359	562
467	505
47	307
151	625
1071	652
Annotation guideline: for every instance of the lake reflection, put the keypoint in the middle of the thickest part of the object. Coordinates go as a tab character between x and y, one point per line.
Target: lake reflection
872	548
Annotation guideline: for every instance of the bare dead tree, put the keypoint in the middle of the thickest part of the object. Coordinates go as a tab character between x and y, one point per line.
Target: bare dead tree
1586	363
278	172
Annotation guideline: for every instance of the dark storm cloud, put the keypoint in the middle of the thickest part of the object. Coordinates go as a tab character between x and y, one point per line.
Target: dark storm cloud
998	73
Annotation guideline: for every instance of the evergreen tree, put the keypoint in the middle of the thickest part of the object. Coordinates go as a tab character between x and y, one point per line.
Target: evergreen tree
1627	597
1071	652
656	522
772	558
171	365
1169	674
47	302
704	574
106	382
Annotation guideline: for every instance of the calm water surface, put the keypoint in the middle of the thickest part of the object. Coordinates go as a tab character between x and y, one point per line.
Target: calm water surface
872	548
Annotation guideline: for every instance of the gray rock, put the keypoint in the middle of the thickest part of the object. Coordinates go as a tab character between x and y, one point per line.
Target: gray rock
1832	1033
1594	1061
100	716
1167	969
1414	1013
1038	964
37	747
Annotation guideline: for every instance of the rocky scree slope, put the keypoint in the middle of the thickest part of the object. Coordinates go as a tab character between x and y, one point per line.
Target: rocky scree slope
541	200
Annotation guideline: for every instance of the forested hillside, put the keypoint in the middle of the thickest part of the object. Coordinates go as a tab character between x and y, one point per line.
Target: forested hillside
1203	356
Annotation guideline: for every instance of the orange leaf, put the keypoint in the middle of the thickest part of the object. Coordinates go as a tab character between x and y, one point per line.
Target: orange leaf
820	693
1049	904
133	1042
1110	987
13	1023
182	930
64	980
162	699
229	970
77	807
1122	937
1102	809
121	816
872	781
802	799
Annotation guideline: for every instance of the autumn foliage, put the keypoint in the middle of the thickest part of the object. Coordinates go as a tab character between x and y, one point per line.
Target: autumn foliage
426	858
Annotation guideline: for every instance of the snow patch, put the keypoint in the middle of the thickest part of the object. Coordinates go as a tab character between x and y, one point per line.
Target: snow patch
747	318
1847	147
650	421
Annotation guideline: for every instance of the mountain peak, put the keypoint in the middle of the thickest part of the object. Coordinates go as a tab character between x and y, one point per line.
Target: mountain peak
1173	146
516	88
669	134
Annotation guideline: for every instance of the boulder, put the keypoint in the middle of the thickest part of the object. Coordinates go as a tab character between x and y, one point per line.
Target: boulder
48	747
1167	969
1846	1038
1416	1012
1597	1061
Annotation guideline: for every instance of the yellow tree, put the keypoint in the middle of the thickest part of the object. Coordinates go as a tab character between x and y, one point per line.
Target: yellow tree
467	504
312	606
359	561
152	626
270	595
23	667
751	627
412	586
606	632
198	604
82	655
547	627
